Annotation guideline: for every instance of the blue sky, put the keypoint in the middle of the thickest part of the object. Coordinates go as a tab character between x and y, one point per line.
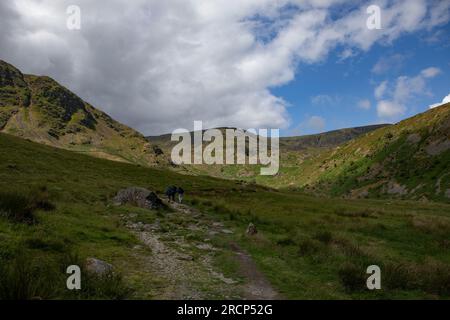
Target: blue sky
332	89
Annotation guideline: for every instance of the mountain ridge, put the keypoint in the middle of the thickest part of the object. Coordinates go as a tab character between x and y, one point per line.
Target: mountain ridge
40	109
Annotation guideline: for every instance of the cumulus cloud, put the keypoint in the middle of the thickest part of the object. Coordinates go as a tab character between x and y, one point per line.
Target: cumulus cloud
430	72
381	89
444	101
159	65
393	104
390	109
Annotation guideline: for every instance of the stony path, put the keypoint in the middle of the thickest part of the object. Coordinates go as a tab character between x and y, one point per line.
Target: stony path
186	265
257	287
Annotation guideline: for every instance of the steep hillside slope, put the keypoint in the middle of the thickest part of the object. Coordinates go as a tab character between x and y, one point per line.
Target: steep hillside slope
293	151
322	140
326	139
408	160
40	109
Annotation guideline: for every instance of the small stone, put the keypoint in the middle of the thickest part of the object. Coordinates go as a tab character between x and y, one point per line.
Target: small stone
205	246
185	257
251	229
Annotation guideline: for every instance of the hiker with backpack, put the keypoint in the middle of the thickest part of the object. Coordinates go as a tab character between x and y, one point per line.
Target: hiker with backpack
180	192
171	192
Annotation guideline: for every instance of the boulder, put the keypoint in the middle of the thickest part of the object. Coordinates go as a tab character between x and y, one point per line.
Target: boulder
396	188
97	266
157	151
138	197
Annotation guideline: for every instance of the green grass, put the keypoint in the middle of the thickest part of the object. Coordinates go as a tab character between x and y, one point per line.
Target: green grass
308	247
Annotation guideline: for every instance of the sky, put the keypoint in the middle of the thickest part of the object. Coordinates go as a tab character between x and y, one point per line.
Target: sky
303	66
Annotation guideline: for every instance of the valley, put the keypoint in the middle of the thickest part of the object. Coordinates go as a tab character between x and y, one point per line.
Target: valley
342	200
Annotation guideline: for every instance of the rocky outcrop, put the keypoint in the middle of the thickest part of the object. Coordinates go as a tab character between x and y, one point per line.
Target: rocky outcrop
438	147
139	197
396	188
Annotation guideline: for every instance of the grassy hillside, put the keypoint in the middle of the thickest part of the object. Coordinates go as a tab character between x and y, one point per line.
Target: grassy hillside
327	139
40	109
409	160
307	247
293	151
321	140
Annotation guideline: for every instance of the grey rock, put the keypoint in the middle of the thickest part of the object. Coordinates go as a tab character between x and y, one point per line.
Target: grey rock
251	229
205	246
185	257
97	266
139	197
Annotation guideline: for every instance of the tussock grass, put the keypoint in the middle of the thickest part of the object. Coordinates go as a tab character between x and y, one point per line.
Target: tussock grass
436	225
353	276
24	277
27	276
324	236
309	247
21	207
430	276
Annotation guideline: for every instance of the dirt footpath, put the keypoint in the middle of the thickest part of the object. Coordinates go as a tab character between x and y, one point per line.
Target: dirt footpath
186	266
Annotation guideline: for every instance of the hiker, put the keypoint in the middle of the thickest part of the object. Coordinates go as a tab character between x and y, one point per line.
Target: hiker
170	193
180	192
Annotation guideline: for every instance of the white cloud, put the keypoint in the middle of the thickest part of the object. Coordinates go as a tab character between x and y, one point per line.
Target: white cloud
444	101
159	65
390	109
381	89
395	99
347	53
364	104
430	72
